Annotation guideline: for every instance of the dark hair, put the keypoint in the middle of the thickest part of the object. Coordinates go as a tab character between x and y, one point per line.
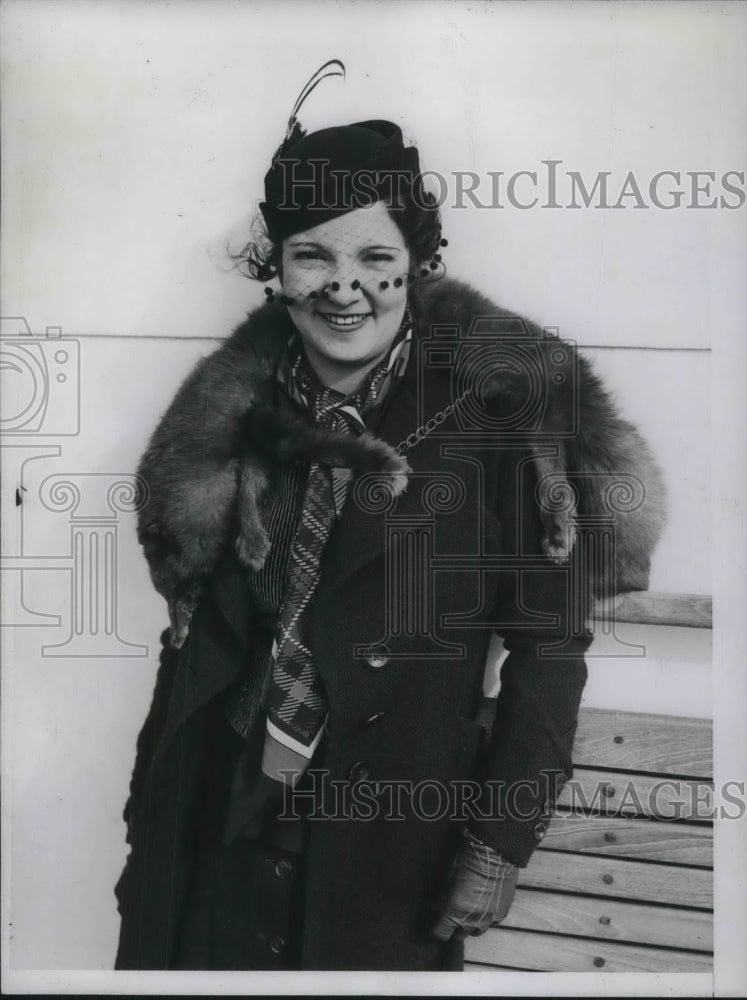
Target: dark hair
413	209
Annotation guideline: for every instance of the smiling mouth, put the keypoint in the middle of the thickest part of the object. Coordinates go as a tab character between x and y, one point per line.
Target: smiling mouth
336	319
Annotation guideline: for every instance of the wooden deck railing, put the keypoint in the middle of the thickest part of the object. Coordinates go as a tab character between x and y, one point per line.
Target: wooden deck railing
623	879
643	607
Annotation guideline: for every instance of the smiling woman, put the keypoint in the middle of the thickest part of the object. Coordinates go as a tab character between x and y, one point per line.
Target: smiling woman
330	629
361	263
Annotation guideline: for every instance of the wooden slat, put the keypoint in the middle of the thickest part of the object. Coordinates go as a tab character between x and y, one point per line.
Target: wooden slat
610	792
644	607
642	839
558	953
613	877
612	919
664	744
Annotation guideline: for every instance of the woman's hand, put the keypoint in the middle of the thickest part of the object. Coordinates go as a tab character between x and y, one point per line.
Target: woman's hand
479	892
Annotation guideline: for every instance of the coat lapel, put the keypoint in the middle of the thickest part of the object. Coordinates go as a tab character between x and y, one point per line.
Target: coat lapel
359	537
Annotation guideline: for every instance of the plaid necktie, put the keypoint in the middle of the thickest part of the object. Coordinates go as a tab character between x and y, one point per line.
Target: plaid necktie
295	703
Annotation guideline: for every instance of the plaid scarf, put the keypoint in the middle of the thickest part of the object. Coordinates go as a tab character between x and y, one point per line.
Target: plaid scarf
294	701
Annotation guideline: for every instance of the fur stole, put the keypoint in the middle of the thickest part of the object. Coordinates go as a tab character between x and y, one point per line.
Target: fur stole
208	460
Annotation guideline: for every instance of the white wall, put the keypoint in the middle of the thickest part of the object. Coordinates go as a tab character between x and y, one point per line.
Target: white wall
135	140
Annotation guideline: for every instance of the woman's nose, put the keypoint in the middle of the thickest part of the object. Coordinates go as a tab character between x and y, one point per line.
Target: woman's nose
342	292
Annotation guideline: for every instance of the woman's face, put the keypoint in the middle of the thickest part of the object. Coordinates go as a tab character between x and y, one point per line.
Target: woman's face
348	331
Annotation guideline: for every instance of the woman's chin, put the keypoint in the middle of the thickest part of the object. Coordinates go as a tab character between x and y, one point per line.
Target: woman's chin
351	360
349	349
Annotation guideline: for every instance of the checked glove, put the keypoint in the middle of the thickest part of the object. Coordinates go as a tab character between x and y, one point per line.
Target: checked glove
479	892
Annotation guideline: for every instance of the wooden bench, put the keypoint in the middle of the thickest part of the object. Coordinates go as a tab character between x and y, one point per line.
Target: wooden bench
615	885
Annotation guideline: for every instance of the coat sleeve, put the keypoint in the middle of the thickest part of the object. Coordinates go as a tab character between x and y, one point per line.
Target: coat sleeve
541	612
151	730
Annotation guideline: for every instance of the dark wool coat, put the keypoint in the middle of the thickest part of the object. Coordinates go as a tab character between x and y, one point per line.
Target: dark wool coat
481	540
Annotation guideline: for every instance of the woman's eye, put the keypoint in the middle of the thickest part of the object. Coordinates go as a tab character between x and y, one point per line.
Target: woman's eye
307	255
379	258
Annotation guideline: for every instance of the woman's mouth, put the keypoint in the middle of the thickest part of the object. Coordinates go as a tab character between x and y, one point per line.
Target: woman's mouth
344	322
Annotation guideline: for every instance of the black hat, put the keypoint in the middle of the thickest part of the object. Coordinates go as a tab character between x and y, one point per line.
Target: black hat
334	171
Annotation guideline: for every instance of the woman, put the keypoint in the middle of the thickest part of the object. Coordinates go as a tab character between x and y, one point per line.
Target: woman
370	478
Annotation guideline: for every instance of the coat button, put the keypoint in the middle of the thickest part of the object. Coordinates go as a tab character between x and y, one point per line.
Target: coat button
283	869
277	943
539	831
372	719
360	771
378	657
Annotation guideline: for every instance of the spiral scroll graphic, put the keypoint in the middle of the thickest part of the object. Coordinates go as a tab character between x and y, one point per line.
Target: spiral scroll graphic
127	495
374	493
556	495
624	494
60	494
444	496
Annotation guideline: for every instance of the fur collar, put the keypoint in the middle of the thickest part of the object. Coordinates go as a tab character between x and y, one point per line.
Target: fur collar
208	460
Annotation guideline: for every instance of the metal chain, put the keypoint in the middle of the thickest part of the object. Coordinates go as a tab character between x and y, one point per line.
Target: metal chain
430	425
